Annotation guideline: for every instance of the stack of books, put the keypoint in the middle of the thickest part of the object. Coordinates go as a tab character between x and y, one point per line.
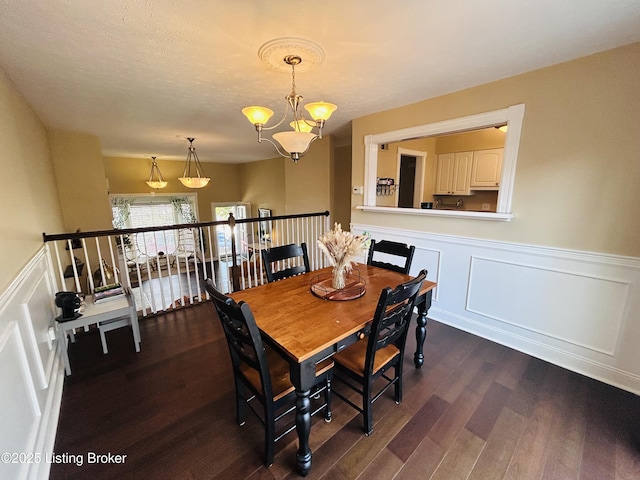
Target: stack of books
108	292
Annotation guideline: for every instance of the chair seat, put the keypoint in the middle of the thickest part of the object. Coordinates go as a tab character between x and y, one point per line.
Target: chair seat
363	363
279	372
353	357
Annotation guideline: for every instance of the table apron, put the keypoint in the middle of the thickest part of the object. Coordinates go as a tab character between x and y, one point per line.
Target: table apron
303	374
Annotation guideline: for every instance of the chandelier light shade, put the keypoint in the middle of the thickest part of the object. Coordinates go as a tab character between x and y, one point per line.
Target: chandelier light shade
258	115
193	175
156	180
295	141
292	143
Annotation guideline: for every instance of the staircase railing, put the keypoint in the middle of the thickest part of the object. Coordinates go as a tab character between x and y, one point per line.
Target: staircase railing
165	267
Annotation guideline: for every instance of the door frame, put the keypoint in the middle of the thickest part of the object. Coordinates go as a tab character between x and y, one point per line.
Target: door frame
244	231
418	181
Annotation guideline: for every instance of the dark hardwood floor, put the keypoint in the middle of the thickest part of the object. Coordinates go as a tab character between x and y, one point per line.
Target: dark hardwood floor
475	410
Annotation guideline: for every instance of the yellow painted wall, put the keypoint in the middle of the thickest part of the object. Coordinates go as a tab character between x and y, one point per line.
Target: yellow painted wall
578	167
263	185
277	184
81	181
128	175
308	183
341	186
28	198
483	139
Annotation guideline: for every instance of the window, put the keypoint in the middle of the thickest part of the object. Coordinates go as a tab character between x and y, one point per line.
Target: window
139	211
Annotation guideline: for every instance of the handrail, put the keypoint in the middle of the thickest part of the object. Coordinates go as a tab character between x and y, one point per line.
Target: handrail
146	256
124	231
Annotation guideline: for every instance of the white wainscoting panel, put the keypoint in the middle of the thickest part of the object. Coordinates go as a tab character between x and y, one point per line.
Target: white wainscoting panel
577	298
579	310
31	373
19	404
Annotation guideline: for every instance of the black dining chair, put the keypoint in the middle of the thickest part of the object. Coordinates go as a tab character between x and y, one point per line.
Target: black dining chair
289	260
363	363
261	373
402	251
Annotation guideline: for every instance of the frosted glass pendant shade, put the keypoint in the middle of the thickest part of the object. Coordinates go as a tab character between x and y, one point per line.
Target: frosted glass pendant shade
294	142
301	126
156	184
194	182
320	110
257	115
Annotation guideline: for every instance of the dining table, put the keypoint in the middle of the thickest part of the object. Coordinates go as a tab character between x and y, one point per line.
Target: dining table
308	327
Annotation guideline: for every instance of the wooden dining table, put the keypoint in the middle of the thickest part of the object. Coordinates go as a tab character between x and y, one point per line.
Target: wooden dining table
308	329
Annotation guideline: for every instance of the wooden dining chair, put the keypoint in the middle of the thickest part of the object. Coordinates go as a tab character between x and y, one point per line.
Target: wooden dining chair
289	260
261	373
401	252
362	364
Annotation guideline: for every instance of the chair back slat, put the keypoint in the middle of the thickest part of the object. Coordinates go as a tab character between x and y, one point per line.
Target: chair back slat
392	318
243	337
403	252
287	258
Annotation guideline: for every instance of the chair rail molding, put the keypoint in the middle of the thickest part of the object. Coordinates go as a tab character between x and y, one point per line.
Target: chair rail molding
575	309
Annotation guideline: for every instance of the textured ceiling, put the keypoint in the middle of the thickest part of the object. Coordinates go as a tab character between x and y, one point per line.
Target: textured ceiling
143	74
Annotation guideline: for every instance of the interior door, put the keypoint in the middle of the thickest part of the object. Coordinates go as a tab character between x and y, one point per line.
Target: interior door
407	181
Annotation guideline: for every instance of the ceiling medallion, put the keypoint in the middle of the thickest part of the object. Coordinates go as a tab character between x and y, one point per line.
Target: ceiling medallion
272	53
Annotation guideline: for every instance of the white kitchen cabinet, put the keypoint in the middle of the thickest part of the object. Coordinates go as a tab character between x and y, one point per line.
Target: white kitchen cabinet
453	173
486	169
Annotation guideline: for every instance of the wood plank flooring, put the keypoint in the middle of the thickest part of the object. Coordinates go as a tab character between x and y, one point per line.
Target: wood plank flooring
476	410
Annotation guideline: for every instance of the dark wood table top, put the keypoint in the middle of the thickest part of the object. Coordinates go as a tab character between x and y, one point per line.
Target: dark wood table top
303	324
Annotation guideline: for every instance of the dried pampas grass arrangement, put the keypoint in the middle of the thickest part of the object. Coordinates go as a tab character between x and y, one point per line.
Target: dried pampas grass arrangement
343	249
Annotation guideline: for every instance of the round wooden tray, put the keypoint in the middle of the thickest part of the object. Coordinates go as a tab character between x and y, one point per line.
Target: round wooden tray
354	287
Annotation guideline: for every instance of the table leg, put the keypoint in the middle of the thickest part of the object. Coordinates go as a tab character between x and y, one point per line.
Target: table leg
303	427
303	377
423	304
135	326
65	355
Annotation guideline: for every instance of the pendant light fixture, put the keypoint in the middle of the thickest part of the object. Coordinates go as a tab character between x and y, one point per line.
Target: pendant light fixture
156	180
292	143
198	179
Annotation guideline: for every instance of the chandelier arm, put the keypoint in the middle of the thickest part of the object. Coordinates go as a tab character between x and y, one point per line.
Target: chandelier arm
200	169
187	167
282	153
312	123
284	117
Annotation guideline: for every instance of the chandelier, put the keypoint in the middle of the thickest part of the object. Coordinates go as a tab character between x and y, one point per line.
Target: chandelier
292	143
156	180
198	180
